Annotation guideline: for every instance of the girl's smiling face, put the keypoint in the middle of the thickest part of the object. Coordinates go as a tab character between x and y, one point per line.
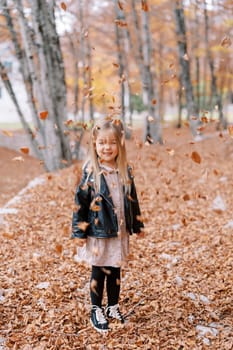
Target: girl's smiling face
107	147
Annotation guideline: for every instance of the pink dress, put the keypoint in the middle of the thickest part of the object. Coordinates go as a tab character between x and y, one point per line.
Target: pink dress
109	251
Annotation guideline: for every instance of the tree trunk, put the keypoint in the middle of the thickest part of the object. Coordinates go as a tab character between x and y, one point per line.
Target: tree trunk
25	124
83	58
179	122
118	37
216	98
20	54
197	40
90	93
161	79
43	74
53	78
126	44
152	129
75	54
184	64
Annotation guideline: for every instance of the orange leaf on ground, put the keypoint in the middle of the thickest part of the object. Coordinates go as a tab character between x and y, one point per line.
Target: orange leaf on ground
186	197
58	248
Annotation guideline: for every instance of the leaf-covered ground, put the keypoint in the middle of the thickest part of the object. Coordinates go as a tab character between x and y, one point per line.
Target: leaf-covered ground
176	289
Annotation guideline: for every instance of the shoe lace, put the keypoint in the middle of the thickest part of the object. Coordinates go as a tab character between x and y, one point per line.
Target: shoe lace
115	312
100	316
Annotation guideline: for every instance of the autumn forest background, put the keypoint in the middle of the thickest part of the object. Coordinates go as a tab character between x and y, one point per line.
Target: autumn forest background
165	69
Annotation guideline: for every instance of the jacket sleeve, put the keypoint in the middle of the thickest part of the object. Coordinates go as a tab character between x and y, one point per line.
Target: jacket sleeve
136	212
82	201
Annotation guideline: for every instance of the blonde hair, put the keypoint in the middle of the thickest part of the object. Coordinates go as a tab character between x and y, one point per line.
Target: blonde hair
116	126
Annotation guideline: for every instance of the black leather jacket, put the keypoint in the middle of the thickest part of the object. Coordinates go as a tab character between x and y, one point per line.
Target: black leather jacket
102	223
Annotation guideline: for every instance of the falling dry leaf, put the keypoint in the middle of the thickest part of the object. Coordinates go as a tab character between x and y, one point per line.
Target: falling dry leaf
94	206
43	115
121	23
83	225
144	5
120	5
116	122
106	271
93	286
150	119
196	157
69	122
230	130
24	150
204	119
7	133
130	198
226	42
63	6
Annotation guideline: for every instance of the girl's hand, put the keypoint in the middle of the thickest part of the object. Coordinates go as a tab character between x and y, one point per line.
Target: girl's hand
140	235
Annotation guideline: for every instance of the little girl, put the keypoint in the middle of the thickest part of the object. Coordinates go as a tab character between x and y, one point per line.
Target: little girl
107	213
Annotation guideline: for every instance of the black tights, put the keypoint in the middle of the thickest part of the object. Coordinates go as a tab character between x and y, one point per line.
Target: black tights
98	275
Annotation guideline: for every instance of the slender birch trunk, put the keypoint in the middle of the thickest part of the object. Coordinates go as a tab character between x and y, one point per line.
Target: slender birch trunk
215	95
197	40
21	56
89	78
125	45
152	130
75	53
83	58
118	39
8	86
184	64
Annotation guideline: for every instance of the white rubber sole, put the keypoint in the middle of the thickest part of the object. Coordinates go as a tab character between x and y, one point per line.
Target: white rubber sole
98	329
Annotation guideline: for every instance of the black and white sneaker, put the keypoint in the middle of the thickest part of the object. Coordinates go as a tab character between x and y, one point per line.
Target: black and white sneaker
114	312
98	319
